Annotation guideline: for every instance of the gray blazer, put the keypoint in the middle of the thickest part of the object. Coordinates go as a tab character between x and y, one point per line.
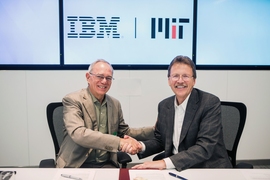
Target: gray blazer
81	133
201	141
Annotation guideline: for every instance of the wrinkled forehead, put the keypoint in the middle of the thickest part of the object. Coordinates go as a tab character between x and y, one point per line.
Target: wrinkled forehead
102	68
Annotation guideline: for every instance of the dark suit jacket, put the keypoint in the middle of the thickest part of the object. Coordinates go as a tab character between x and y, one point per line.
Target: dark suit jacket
81	133
201	141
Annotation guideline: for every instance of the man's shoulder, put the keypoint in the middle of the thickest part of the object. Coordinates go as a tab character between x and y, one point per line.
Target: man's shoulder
205	96
80	91
204	93
77	94
167	100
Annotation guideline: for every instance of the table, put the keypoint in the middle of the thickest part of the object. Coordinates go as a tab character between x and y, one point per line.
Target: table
129	174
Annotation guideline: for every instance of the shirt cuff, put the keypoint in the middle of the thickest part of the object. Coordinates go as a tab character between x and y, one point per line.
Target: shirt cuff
143	146
169	164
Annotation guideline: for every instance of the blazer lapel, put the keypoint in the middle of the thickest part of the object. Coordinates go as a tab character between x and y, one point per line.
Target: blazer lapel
191	109
110	116
89	107
170	126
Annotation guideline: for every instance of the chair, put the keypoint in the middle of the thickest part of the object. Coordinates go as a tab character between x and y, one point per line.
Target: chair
55	122
233	116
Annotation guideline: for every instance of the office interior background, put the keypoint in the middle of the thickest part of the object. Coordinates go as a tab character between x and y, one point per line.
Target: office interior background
29	84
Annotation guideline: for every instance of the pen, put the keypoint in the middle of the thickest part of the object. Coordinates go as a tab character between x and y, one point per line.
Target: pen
177	176
70	177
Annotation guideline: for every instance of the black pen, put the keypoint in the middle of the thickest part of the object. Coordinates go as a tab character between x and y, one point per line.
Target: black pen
177	176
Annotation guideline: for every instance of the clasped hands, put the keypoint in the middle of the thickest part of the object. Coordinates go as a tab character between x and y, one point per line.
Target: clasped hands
130	145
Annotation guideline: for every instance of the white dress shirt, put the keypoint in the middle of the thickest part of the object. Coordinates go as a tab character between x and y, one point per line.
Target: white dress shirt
178	122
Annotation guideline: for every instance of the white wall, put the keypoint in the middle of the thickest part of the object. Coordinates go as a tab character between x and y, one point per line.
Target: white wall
25	138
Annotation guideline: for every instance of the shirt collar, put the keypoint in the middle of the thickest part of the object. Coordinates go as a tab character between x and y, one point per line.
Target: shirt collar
184	103
94	99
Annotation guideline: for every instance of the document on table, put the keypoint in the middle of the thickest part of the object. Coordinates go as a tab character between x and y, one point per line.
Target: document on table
74	174
147	175
107	174
263	174
86	174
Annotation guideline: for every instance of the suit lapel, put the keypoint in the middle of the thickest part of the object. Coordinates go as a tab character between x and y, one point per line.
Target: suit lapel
191	109
89	106
170	126
110	115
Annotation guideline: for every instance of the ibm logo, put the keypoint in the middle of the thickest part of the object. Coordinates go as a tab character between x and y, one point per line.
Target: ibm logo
172	28
89	29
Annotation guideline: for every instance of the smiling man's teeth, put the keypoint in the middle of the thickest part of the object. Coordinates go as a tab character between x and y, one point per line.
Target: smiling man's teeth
180	86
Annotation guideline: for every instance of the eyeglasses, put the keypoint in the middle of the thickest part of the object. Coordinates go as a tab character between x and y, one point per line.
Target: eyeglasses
185	77
101	77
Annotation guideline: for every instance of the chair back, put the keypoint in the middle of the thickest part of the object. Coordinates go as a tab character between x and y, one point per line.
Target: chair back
233	120
56	123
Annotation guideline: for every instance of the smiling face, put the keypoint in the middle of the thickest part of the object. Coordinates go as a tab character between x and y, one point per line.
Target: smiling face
98	85
181	87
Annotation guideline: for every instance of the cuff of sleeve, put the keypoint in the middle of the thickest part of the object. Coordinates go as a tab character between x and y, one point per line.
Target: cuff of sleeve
169	164
143	146
119	145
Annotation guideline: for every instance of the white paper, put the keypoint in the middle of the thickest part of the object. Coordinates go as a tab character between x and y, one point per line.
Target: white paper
84	174
146	175
251	175
107	174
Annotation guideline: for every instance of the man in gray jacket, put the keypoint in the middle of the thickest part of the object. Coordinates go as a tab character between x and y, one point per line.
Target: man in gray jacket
94	125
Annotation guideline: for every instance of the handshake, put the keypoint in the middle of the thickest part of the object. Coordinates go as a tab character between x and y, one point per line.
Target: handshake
130	145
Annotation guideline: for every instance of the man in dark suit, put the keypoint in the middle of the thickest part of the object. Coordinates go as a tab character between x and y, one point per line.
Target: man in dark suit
188	126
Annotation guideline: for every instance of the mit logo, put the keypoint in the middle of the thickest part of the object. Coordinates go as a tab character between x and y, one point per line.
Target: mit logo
88	27
171	28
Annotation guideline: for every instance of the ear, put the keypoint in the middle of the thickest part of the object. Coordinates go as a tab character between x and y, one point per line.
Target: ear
87	75
169	83
194	82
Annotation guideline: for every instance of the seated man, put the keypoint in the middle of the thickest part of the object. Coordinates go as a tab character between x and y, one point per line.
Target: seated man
189	127
94	125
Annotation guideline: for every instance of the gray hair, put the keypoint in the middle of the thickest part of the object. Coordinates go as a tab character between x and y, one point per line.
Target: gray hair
90	68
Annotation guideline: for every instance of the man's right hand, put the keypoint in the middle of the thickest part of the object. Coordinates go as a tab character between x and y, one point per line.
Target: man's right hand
130	145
